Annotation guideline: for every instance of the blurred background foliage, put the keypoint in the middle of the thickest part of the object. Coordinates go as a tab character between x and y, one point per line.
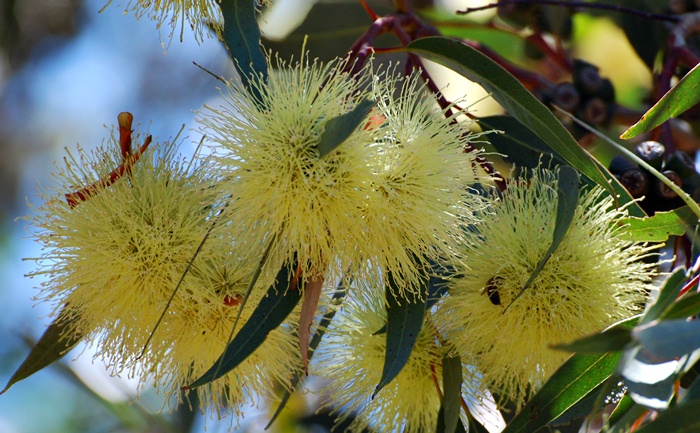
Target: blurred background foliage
66	71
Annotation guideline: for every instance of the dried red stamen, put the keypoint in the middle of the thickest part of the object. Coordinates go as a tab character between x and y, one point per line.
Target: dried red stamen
125	120
75	198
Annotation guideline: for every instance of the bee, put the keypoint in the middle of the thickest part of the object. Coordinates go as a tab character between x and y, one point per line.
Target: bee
491	289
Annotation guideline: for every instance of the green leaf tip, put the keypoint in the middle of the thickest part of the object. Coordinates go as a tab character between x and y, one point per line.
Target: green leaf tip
52	346
404	323
338	129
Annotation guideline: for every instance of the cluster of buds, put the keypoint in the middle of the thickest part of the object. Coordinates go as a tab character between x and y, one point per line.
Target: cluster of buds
678	167
589	96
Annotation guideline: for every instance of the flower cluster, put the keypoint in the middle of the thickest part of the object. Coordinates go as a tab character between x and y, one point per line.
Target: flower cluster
153	260
395	189
116	259
594	278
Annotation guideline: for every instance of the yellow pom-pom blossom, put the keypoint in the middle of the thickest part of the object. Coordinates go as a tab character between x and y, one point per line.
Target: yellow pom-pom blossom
199	14
351	357
114	252
419	200
279	184
594	278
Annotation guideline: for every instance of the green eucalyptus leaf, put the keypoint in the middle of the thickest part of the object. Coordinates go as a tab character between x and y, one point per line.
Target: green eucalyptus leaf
669	339
53	344
404	321
339	128
682	96
452	391
437	287
667	295
441	424
515	98
659	227
567	193
242	39
579	376
611	340
519	144
474	425
687	306
281	298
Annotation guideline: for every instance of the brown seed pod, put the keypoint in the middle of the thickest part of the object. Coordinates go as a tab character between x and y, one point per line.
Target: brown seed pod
666	192
635	182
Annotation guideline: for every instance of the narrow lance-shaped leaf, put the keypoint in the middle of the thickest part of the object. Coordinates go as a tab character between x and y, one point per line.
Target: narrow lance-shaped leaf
437	287
338	129
520	145
404	322
451	391
573	381
615	338
685	94
667	295
687	306
278	303
53	344
513	96
242	38
567	192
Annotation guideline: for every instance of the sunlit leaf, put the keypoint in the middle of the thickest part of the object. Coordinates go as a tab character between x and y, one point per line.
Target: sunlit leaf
669	339
278	303
610	340
53	344
687	306
659	227
685	94
515	98
567	193
404	322
667	295
338	129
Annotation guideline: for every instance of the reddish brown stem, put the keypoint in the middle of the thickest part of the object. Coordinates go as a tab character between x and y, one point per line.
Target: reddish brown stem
75	198
372	14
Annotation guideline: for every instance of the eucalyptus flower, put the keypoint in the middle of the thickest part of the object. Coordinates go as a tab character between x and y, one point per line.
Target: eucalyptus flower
201	15
594	278
122	267
281	186
423	168
351	357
